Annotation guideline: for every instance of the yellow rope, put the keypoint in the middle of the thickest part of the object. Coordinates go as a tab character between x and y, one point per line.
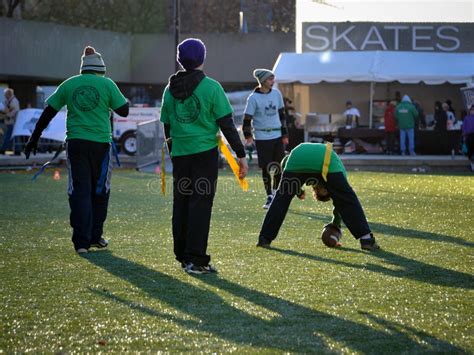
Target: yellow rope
163	169
327	161
163	165
232	163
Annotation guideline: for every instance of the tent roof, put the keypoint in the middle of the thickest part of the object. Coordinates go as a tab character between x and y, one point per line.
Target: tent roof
378	66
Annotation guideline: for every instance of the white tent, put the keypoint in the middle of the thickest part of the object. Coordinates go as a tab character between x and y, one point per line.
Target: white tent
375	67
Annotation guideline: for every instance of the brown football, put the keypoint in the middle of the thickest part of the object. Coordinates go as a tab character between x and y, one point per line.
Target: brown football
331	236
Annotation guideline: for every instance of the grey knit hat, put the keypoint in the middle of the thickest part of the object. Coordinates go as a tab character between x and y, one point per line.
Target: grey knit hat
262	74
92	60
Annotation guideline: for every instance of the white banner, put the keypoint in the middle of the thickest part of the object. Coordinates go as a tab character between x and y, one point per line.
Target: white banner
26	121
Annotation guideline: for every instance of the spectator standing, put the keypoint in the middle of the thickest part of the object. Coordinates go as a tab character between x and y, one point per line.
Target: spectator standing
468	134
440	117
390	124
450	118
352	115
420	122
406	115
398	97
11	108
451	108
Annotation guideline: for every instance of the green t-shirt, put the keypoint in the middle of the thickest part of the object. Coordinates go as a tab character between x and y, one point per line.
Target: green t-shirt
88	98
309	158
192	121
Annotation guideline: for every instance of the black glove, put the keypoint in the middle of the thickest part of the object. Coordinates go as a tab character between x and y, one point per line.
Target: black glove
31	146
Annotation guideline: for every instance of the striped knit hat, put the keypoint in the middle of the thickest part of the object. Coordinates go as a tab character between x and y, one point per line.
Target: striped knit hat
92	60
262	74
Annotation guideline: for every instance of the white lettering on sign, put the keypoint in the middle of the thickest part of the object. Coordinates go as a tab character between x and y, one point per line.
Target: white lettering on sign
392	37
343	35
379	41
396	36
443	36
309	33
415	37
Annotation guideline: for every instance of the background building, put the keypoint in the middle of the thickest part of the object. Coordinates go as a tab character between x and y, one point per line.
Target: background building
389	26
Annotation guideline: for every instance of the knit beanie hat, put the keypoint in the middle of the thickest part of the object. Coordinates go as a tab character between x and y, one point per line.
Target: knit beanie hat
191	53
262	74
92	60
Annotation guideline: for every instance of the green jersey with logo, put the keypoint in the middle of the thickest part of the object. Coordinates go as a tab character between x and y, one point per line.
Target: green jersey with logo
192	121
88	98
309	158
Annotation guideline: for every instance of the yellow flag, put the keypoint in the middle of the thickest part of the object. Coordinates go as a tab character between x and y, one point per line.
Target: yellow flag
327	161
163	170
232	163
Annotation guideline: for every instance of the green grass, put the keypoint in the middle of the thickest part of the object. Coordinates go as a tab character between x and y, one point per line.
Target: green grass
415	295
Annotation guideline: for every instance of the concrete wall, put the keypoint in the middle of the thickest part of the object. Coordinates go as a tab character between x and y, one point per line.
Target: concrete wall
47	51
231	57
152	58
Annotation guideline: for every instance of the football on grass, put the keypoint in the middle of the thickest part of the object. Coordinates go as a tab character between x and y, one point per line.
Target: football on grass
331	236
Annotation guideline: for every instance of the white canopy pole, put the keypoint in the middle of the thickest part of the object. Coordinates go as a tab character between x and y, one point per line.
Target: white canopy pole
372	86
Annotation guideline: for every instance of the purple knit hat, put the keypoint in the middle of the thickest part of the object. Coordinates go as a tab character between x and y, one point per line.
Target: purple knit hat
191	53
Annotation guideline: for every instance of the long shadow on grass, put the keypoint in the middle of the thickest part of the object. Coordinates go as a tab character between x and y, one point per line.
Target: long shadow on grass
285	326
397	231
407	268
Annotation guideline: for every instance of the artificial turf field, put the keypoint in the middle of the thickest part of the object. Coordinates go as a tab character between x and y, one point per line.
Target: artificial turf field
413	296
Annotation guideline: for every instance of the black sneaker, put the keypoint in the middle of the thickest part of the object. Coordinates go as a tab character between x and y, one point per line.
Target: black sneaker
268	203
194	269
101	243
369	244
263	242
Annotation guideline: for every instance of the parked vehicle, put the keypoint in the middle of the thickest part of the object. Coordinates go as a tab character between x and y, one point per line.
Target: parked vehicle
125	128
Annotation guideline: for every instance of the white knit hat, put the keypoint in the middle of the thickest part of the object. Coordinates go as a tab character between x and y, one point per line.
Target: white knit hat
92	60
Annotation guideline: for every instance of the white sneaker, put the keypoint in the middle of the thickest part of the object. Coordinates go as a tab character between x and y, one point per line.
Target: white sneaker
101	243
268	203
82	251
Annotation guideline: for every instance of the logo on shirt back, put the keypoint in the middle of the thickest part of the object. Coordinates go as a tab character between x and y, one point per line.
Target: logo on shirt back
85	98
270	109
188	110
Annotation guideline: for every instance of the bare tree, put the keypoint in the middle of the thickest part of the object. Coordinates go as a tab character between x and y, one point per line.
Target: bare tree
155	16
128	16
8	7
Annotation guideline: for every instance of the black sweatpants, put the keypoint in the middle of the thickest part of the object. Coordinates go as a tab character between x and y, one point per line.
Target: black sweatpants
194	187
343	197
90	169
270	153
469	140
390	139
